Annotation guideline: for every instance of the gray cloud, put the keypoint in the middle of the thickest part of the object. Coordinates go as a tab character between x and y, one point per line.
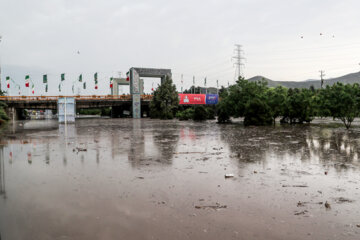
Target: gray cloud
191	37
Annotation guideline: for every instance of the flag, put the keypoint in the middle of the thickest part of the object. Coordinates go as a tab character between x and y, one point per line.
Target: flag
96	78
46	88
63	77
8	81
84	85
111	82
128	76
152	89
80	78
45	78
33	88
27	78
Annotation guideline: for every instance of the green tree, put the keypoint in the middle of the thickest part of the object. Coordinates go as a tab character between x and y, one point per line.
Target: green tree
257	113
299	106
165	101
236	101
186	114
200	113
3	116
276	99
343	102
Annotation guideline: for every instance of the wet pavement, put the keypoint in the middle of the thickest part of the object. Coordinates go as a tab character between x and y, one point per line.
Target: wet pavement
150	179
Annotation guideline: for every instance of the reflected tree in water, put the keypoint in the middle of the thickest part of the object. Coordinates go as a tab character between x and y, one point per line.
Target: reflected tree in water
333	148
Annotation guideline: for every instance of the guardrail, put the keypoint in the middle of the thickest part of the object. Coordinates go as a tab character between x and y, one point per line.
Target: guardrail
77	97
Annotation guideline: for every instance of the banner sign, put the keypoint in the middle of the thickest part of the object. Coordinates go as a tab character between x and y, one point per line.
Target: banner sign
212	98
192	99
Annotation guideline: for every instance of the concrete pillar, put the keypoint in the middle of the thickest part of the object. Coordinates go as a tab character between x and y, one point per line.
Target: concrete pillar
66	110
12	113
135	91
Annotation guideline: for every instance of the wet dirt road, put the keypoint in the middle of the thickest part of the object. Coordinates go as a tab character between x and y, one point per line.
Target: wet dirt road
149	179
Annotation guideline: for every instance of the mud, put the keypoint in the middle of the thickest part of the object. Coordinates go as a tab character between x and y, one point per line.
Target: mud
149	179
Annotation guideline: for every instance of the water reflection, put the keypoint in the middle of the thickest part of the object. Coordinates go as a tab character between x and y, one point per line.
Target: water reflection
2	174
331	147
151	143
105	177
166	141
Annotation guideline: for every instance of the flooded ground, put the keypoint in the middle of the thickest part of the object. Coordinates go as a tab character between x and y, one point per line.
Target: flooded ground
149	179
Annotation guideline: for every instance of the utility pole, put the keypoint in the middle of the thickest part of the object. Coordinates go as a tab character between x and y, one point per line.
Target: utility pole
182	83
238	61
322	75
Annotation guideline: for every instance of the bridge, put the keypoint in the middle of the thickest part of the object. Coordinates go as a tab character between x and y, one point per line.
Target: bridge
15	104
136	102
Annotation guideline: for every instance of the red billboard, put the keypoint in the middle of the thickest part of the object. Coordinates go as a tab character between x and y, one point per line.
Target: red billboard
192	98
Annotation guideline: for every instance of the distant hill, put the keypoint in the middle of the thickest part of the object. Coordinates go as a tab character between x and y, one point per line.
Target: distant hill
349	78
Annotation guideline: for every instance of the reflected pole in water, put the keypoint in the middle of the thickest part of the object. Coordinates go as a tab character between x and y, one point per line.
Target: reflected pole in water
47	155
2	173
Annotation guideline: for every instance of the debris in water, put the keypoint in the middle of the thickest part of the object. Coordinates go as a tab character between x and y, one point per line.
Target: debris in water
301	212
301	204
326	173
188	152
294	186
229	175
80	149
215	207
343	200
327	205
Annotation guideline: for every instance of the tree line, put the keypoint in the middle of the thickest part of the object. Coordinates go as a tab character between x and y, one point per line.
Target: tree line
259	104
262	105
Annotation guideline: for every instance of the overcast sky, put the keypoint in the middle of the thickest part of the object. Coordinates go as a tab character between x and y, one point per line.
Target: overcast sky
193	38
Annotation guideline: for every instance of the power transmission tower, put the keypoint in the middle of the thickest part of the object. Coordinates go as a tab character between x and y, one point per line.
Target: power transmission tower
322	75
238	60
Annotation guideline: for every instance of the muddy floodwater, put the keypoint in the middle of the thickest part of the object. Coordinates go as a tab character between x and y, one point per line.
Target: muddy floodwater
151	179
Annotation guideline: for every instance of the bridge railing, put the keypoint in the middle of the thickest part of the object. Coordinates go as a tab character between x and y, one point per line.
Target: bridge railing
127	97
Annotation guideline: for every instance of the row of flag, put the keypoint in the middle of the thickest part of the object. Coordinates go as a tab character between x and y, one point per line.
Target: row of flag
62	78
